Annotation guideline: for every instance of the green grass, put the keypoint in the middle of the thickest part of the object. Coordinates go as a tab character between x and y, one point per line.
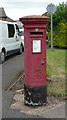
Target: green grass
56	72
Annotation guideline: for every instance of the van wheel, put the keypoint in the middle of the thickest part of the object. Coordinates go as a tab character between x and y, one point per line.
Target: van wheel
2	57
20	49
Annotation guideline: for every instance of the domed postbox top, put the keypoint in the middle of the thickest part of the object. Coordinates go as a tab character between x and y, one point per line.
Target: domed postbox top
34	18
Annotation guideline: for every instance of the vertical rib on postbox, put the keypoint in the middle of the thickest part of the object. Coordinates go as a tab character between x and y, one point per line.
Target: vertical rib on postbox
35	86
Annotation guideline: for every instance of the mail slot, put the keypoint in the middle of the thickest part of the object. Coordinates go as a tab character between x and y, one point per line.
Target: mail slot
35	85
36	33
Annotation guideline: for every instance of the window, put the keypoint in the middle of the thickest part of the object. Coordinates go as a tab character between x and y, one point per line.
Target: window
11	30
17	29
22	33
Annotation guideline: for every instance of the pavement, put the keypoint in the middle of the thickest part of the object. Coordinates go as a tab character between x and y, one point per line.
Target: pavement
56	112
10	113
54	109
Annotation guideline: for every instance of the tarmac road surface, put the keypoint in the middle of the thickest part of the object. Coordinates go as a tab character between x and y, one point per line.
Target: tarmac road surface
12	69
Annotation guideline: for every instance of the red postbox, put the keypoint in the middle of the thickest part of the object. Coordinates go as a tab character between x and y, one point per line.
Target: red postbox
35	85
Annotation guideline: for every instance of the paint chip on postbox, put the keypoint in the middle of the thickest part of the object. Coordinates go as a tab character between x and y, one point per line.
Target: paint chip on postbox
36	46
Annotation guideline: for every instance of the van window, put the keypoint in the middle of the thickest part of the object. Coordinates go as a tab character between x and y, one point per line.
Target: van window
17	28
11	30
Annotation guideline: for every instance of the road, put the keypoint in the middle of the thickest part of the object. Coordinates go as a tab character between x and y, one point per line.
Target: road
12	69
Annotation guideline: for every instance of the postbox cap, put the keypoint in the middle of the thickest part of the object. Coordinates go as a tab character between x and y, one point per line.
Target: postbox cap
34	18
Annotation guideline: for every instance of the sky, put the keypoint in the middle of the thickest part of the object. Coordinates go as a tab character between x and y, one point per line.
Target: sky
16	9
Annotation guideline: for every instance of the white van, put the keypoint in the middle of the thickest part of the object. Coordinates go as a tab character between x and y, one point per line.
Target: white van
22	36
10	39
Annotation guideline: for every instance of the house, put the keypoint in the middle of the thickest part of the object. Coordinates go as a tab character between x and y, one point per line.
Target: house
44	14
3	15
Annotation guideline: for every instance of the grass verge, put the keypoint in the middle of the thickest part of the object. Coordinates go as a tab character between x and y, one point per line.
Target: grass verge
56	72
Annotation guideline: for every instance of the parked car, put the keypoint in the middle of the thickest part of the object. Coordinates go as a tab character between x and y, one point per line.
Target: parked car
22	36
10	39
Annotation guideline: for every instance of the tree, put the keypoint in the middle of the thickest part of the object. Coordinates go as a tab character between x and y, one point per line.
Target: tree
59	15
59	26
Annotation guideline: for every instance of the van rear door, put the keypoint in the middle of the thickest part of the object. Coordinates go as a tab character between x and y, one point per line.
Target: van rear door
17	36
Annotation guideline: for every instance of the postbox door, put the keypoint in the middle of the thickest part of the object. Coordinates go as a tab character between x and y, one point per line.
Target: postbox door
35	58
38	70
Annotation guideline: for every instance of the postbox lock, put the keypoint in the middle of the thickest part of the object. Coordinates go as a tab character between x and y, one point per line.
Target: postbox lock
44	58
42	62
36	29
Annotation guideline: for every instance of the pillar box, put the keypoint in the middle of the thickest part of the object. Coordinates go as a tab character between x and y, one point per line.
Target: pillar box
35	85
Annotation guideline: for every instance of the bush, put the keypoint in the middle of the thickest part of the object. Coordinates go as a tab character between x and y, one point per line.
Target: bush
59	36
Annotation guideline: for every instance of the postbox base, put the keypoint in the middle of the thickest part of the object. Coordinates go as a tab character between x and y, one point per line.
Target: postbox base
35	96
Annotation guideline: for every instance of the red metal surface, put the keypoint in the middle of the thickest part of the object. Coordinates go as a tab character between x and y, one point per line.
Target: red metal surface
34	63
